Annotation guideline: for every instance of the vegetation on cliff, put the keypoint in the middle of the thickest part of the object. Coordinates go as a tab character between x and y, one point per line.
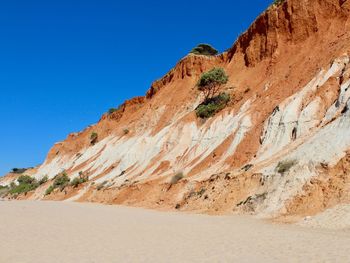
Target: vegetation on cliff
212	106
60	182
204	49
79	180
24	184
209	84
19	170
278	2
211	81
93	138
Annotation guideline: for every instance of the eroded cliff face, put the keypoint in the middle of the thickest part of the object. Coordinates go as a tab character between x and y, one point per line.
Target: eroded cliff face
286	129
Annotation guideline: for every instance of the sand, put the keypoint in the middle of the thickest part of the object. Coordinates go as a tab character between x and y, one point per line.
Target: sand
73	232
335	218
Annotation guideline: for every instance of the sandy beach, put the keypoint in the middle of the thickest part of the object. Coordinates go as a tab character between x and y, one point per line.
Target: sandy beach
74	232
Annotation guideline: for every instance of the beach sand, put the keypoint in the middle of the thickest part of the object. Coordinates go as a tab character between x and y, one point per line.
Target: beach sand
39	231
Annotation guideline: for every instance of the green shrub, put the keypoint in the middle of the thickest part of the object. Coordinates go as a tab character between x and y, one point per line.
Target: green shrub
111	110
212	106
210	82
60	181
79	180
93	137
22	189
75	182
43	180
25	185
49	190
25	179
204	49
126	131
176	178
284	166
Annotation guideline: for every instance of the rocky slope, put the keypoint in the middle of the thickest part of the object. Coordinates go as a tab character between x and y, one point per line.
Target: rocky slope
279	148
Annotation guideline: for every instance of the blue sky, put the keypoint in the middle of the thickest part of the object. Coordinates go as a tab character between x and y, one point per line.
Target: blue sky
63	63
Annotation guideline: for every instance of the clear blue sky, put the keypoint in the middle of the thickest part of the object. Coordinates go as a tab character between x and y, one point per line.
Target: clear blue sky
65	62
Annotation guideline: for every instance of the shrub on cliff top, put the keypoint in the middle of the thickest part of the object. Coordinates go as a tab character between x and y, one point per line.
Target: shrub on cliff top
204	49
278	2
19	170
111	110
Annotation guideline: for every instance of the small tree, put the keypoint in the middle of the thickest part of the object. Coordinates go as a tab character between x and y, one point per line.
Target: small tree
211	81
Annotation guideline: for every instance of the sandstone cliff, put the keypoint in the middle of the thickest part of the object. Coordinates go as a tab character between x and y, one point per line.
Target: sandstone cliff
279	148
